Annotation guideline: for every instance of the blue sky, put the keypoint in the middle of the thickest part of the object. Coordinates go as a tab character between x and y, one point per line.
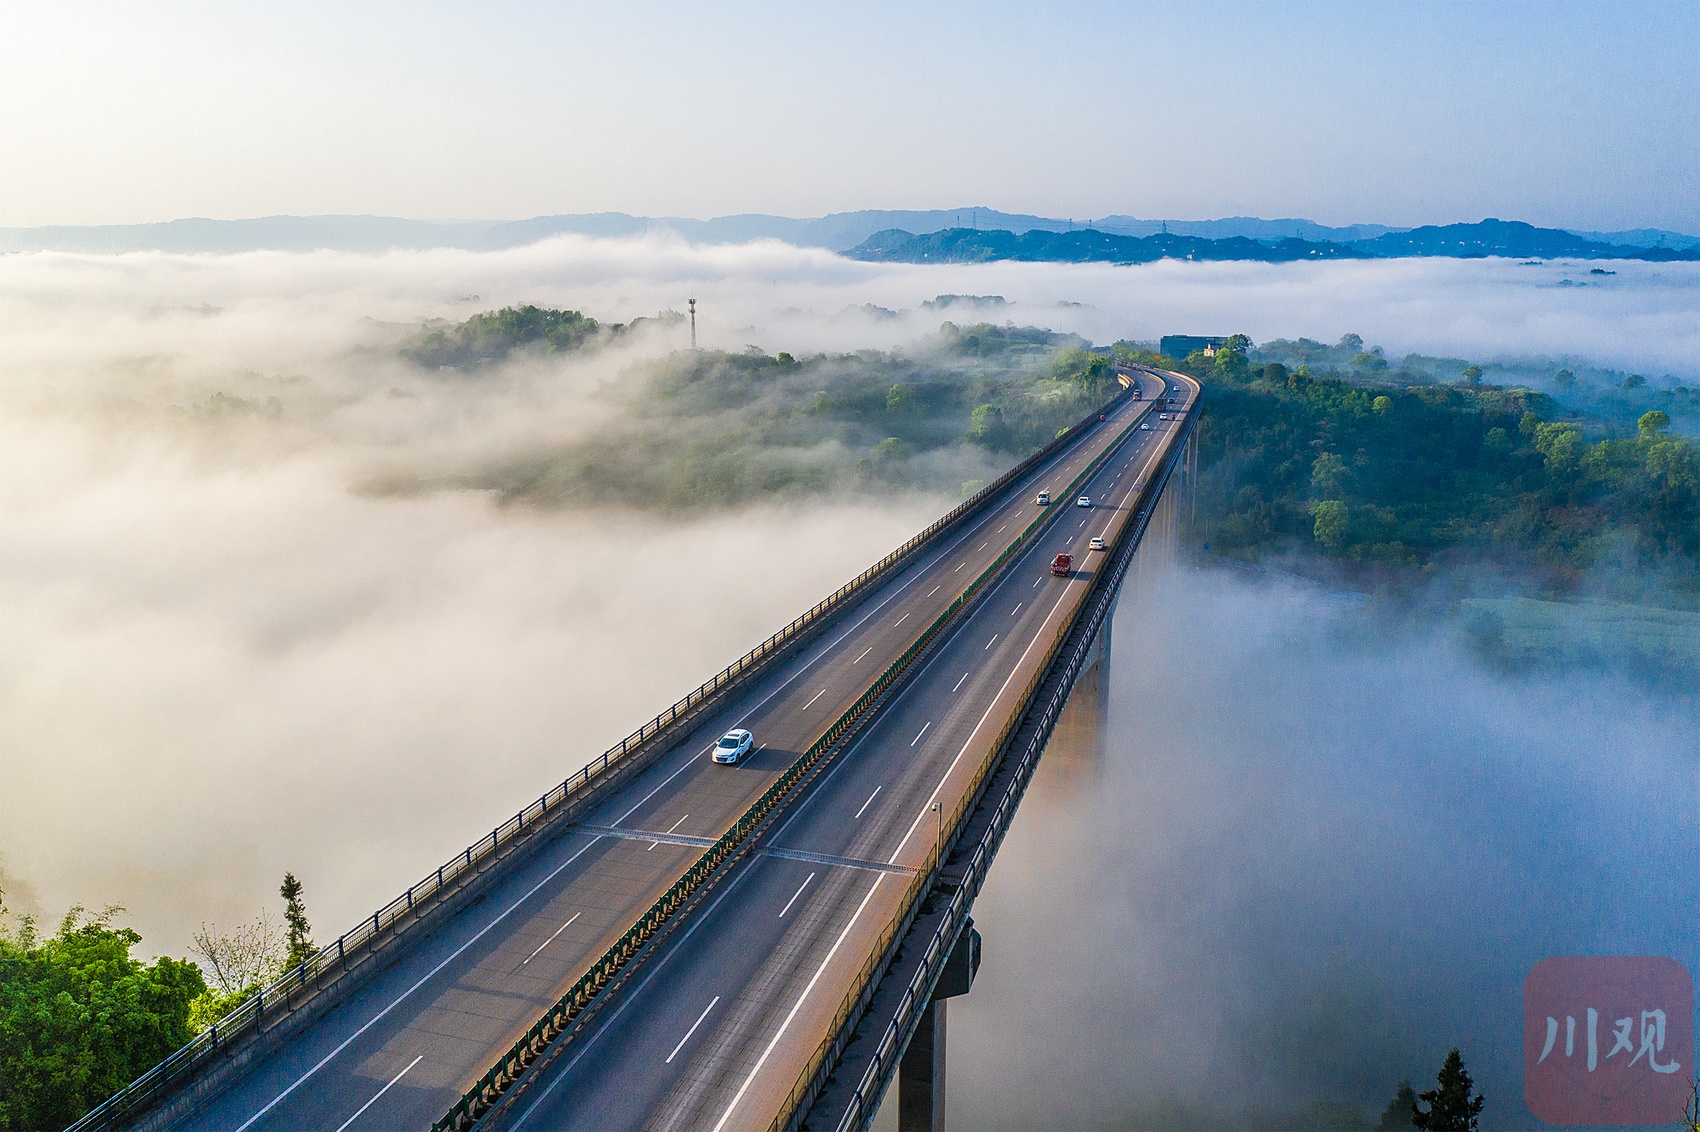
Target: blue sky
1581	116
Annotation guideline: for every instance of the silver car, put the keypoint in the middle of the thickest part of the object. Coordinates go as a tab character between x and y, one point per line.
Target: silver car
733	745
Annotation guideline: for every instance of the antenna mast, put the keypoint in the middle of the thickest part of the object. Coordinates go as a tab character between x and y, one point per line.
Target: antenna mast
693	325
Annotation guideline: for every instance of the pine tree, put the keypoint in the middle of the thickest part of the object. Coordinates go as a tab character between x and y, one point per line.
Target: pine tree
1450	1107
1398	1112
295	918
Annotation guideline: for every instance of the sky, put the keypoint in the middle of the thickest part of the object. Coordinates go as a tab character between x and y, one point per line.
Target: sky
1579	116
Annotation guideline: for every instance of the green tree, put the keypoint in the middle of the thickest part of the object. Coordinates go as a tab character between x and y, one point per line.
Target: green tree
1451	1108
1384	405
1473	374
986	426
297	931
1331	525
1399	1110
1634	381
80	1018
1564	378
900	399
1328	476
892	449
1653	423
1352	343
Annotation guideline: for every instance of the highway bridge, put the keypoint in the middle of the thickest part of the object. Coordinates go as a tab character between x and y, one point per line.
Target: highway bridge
666	942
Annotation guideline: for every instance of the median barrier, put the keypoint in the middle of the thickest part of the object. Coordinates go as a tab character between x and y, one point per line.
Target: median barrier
608	972
325	978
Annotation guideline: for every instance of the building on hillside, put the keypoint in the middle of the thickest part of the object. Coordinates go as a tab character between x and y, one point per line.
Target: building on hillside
1178	346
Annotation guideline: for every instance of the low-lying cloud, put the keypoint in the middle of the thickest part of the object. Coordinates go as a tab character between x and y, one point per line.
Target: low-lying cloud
1318	852
226	657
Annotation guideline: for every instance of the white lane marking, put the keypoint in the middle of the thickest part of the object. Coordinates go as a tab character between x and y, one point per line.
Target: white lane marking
927	808
786	1025
627	1000
552	938
989	643
1017	608
822	655
1002	528
959	566
804	885
380	1093
902	619
672	827
959	682
690	1031
871	798
376	1018
865	652
923	731
982	546
934	590
1083	522
811	703
1036	584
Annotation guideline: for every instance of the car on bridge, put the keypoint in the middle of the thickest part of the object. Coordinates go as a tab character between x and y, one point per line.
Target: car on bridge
1096	544
733	745
1061	564
1083	501
1044	499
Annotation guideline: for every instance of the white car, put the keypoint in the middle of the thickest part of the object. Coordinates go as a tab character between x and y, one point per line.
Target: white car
1043	499
1146	427
1096	544
1083	501
733	746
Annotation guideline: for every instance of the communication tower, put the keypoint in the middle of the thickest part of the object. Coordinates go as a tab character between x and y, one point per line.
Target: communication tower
693	325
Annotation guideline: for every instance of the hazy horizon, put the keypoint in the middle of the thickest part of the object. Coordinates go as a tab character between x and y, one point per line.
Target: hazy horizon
1588	121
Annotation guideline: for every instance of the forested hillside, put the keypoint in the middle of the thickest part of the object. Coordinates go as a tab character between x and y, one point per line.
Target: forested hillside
1387	478
703	429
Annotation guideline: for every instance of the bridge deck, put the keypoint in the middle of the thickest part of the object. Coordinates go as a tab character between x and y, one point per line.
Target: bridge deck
399	1051
721	1023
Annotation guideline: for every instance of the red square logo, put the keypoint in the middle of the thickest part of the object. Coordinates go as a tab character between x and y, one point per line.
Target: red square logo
1608	1040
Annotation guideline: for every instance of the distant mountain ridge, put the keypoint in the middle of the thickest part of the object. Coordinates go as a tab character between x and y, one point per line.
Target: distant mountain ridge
1458	241
839	232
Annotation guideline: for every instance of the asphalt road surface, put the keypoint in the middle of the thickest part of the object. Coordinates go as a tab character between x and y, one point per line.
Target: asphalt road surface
718	1028
404	1047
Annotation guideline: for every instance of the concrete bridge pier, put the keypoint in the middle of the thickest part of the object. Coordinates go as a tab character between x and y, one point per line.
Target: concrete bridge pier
920	1075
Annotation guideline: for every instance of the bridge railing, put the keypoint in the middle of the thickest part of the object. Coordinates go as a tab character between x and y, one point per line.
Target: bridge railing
938	948
601	976
338	959
831	1045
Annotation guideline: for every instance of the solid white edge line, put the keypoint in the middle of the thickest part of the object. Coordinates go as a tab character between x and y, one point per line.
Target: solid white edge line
786	1025
376	1018
688	1032
800	888
877	880
380	1093
925	810
561	1075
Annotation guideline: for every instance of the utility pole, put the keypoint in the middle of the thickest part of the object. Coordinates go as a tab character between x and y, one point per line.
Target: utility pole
693	326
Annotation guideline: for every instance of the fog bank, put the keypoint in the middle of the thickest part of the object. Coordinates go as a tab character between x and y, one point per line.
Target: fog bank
1316	855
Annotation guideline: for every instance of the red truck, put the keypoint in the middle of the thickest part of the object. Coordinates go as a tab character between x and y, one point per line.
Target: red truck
1061	564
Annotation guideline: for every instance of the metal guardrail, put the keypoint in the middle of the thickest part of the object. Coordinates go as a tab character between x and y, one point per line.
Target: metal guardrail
323	970
490	1087
937	953
832	1044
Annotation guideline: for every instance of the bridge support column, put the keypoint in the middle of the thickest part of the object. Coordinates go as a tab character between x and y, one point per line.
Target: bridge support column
920	1075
